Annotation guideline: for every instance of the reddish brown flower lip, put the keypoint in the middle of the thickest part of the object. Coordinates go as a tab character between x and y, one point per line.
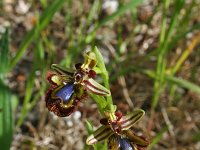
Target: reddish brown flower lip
58	106
54	105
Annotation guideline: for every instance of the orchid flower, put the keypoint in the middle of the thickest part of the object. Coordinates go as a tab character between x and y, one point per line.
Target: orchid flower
69	87
118	132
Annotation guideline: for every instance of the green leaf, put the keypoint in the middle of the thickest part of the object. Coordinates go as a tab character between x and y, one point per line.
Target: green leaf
4	51
6	118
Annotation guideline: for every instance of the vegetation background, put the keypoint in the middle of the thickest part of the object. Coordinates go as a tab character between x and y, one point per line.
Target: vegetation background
151	49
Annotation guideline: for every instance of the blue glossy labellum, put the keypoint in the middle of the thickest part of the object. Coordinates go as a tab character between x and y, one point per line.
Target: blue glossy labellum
124	144
65	92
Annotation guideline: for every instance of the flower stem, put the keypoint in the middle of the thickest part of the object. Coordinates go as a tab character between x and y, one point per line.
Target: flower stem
100	63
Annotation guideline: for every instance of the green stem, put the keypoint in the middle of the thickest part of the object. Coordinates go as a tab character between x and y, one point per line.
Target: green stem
100	63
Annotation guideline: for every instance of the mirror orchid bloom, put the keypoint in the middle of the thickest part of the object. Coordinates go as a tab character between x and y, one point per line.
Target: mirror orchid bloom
118	132
69	87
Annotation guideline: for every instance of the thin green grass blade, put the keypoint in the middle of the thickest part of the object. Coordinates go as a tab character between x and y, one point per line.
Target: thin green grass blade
174	21
165	36
35	32
184	83
161	62
118	13
157	138
187	17
93	11
39	64
172	79
175	80
28	94
182	35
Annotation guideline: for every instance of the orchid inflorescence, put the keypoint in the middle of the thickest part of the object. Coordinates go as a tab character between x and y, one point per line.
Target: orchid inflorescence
70	87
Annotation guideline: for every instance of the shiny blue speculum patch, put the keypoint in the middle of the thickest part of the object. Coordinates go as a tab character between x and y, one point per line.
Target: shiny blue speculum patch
124	144
65	93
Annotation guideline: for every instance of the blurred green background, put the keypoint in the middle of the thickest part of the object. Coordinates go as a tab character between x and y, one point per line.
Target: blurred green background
151	49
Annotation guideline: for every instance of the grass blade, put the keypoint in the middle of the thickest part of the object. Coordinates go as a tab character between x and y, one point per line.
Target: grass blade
165	36
35	32
29	88
157	138
184	83
175	80
182	35
119	12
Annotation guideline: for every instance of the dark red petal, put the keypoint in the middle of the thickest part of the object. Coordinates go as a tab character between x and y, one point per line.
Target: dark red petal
78	65
119	115
104	121
92	74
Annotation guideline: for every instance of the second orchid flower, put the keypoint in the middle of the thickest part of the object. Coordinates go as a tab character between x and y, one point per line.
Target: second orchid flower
118	132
